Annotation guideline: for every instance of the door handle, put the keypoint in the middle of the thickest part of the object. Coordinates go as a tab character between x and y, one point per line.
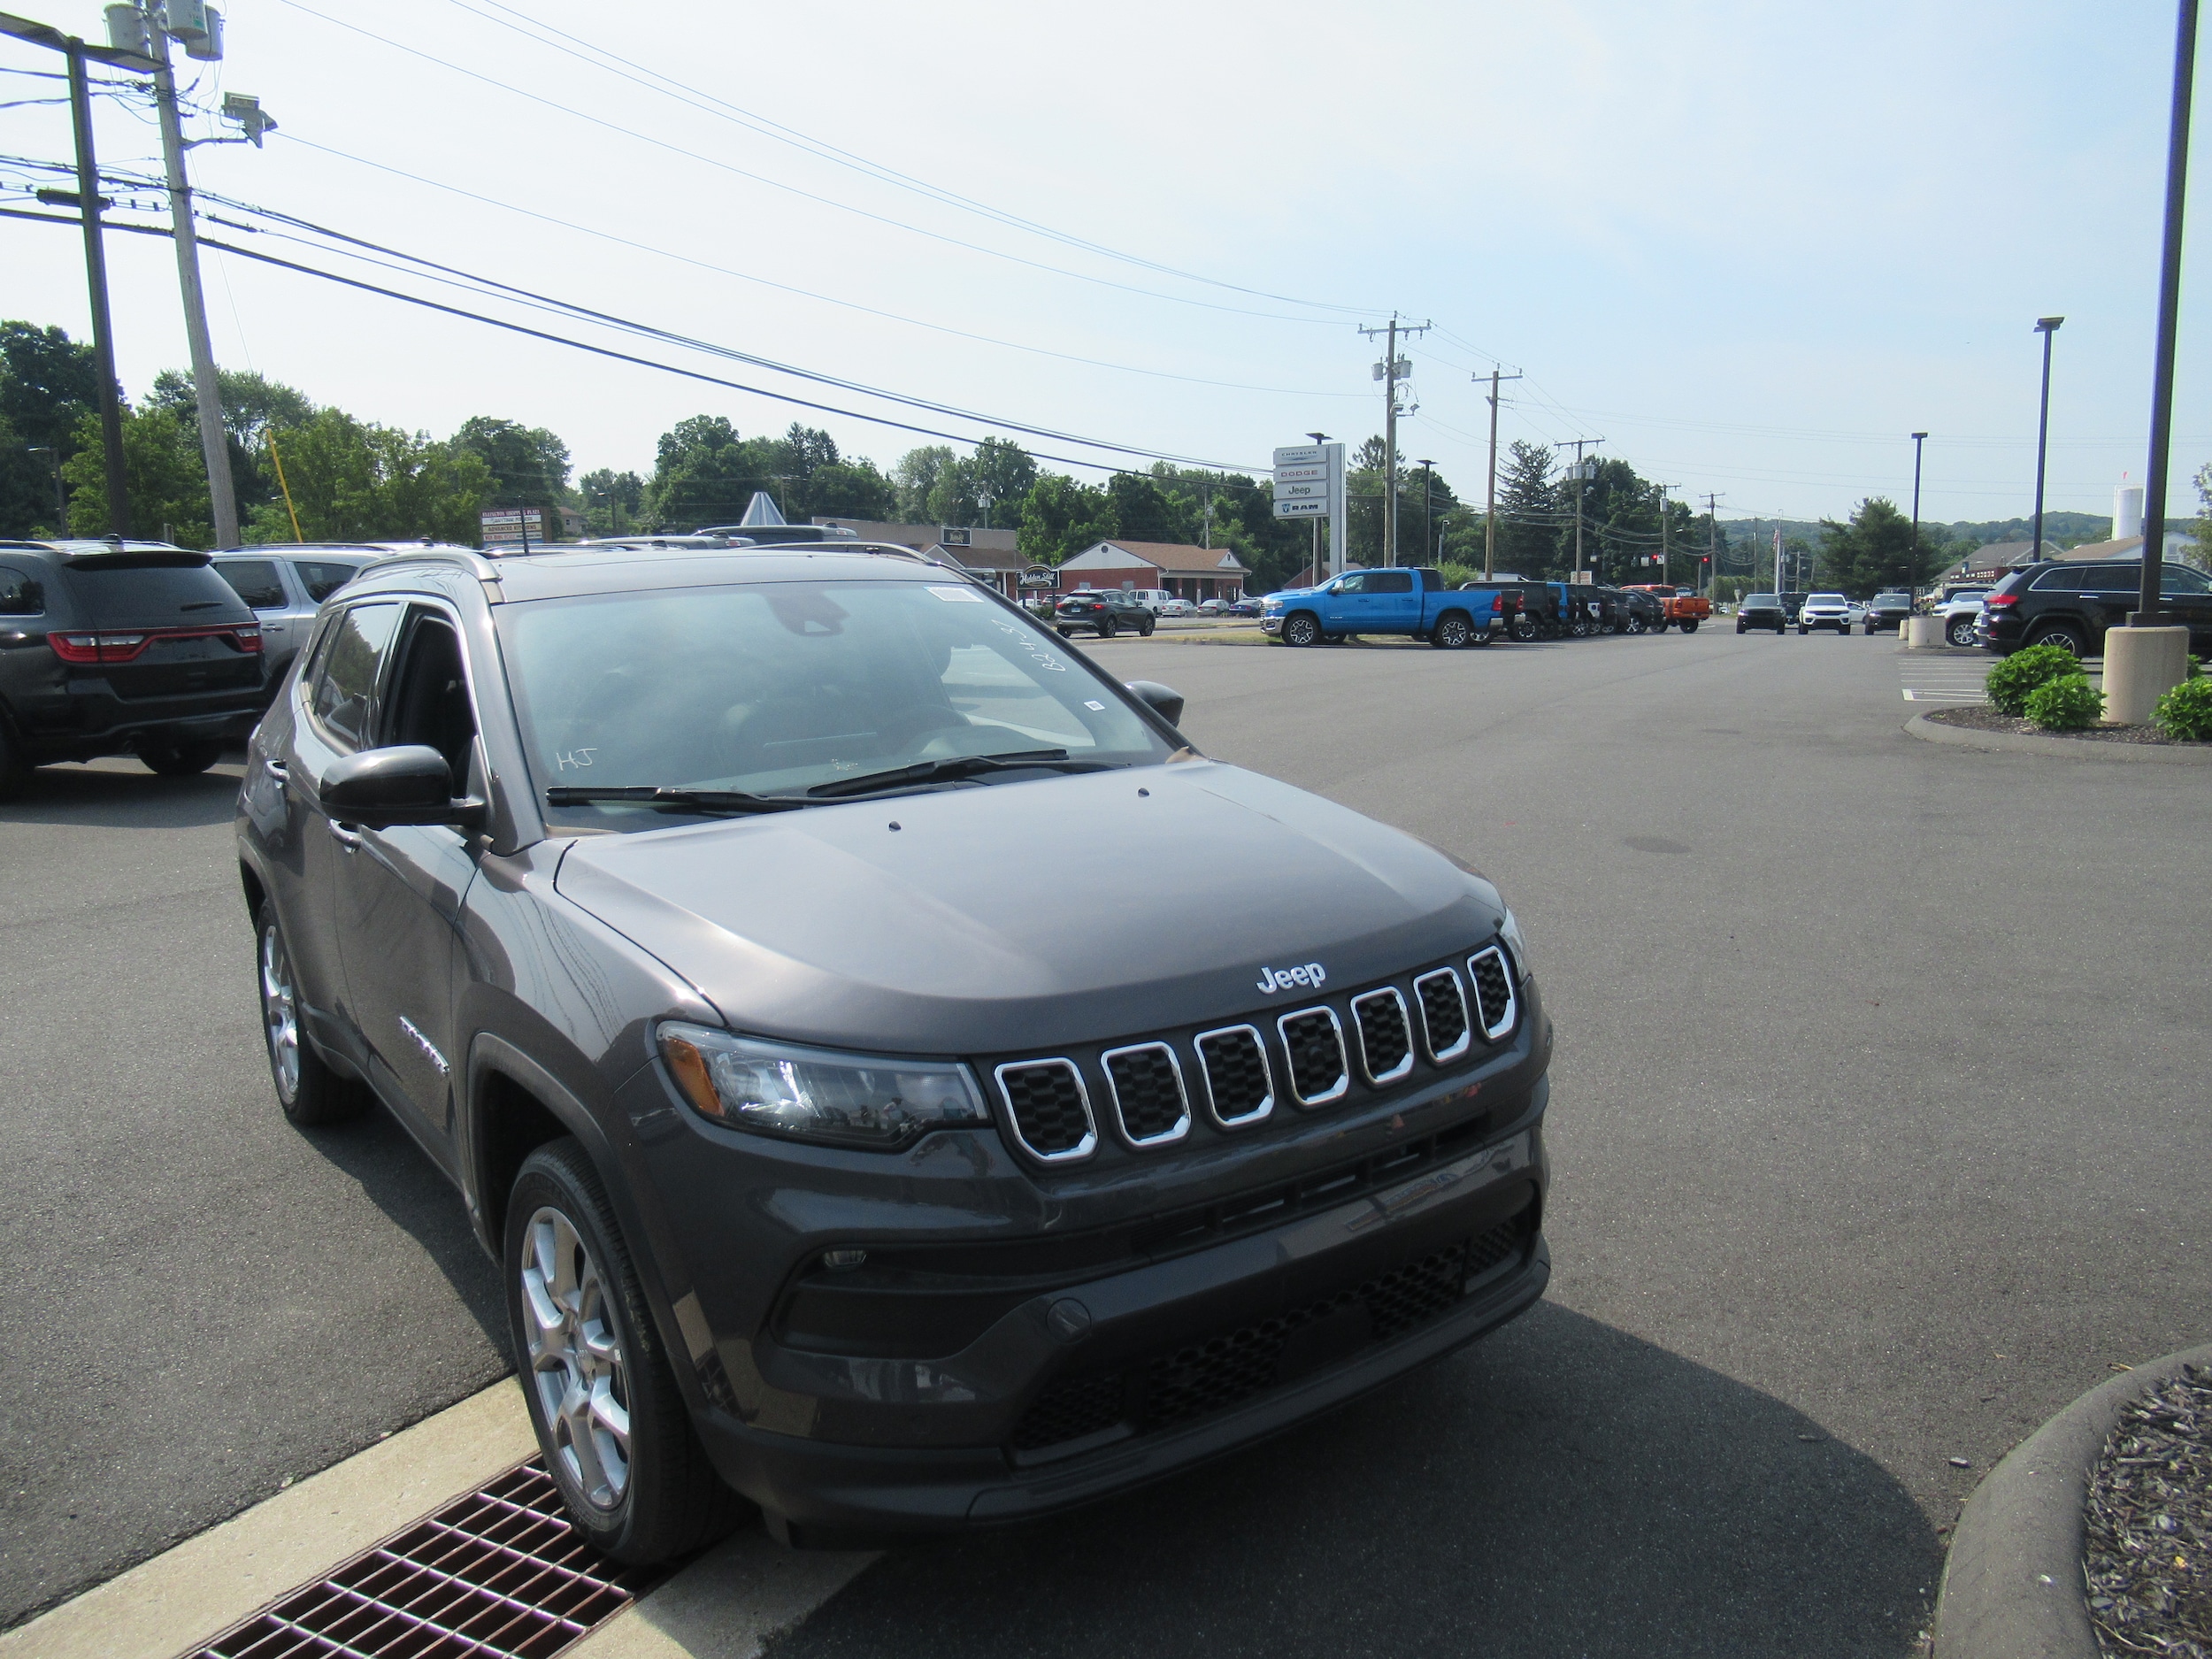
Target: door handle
345	835
277	769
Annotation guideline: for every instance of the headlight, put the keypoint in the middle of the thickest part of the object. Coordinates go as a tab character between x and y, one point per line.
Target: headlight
843	1100
1509	930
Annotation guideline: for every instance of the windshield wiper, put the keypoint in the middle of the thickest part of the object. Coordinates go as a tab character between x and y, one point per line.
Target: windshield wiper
956	766
669	800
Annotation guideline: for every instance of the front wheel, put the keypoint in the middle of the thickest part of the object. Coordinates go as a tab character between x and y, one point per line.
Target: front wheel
1453	631
1144	630
310	1091
1107	628
1300	629
1067	633
1659	626
1803	630
1960	631
1689	625
2065	636
173	757
617	1438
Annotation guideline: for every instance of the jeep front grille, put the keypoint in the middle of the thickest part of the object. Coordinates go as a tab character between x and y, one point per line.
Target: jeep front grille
1444	1028
1494	1003
1315	1044
1146	1082
1239	1089
1049	1109
1386	1048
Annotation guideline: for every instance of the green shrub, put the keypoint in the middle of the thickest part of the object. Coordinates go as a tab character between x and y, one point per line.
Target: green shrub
2066	705
2185	712
2013	680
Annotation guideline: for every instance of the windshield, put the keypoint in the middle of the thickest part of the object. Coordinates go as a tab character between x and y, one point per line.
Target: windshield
773	688
1827	599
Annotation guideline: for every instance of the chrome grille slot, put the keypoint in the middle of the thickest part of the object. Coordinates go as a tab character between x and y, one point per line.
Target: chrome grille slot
1048	1109
1496	1006
1146	1080
1445	1032
1314	1043
1386	1047
1238	1089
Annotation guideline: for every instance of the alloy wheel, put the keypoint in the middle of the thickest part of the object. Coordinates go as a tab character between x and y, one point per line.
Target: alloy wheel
576	1364
280	1014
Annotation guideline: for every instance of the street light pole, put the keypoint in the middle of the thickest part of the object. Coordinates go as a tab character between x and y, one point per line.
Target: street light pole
1319	438
1912	582
1428	505
61	501
2149	599
2046	327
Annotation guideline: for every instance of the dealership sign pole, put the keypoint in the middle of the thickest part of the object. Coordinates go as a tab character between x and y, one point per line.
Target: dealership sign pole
1309	484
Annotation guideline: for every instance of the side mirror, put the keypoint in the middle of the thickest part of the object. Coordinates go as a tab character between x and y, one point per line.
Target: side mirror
1165	704
384	788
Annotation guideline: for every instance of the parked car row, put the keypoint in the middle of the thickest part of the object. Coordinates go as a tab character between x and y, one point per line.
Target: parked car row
1418	601
2071	602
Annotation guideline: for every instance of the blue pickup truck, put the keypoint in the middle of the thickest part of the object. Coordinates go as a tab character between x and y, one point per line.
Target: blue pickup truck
1417	601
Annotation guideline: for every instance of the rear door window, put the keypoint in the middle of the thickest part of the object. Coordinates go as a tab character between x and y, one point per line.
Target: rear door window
254	580
345	678
2124	578
1390	582
21	593
324	577
2060	581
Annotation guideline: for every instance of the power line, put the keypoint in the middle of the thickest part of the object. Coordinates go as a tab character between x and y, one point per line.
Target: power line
590	53
728	167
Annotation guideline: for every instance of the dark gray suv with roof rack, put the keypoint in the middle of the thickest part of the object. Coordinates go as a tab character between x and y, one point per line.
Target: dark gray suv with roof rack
663	899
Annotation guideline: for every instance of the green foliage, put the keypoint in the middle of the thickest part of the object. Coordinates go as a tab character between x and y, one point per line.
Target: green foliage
167	474
1872	552
2066	703
2013	680
1060	517
354	481
47	384
612	501
528	464
1528	504
2184	713
705	473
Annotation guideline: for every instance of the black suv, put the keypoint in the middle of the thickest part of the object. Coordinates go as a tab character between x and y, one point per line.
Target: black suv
664	898
2071	602
1763	610
1887	611
1108	612
121	648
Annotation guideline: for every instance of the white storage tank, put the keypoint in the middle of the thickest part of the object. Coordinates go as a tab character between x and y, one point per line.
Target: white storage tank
2127	509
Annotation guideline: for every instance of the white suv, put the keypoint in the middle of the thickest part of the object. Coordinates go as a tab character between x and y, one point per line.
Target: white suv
1960	613
1825	610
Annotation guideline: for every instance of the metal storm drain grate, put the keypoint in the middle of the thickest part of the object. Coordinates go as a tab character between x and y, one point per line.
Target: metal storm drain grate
499	1574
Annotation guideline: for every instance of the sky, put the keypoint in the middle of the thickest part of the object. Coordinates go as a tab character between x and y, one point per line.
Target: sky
1749	247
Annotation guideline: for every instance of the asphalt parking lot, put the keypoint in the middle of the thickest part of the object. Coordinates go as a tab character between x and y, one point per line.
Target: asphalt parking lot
1879	1132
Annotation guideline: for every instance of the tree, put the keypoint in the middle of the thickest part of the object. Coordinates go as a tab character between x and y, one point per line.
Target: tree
1140	513
1059	517
611	500
253	406
47	382
2201	531
167	473
1872	552
355	481
925	480
1528	511
700	469
528	465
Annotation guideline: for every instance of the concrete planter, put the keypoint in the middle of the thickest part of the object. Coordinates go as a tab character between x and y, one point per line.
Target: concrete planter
2012	1585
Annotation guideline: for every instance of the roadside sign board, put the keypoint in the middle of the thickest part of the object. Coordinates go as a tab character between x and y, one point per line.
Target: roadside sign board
1040	576
1301	489
1301	472
1317	507
1309	484
1302	455
505	526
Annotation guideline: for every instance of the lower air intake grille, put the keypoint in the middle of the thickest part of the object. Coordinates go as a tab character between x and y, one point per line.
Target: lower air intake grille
500	1574
1149	1093
1316	1055
1231	1367
1493	992
1050	1111
1236	1075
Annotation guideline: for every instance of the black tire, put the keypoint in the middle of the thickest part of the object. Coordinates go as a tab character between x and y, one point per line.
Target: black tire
2063	634
1067	633
310	1091
1689	625
1524	627
1301	628
1739	627
1803	630
670	1499
174	758
1960	631
1453	631
1480	637
1107	628
1635	626
1144	629
1659	626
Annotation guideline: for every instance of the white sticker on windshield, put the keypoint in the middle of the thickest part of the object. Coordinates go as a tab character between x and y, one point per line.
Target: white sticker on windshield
1099	707
958	595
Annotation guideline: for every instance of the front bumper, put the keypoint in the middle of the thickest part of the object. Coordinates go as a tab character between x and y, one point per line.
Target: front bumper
1271	625
1179	1362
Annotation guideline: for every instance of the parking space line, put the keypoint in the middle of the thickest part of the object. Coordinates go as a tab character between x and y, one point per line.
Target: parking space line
186	1595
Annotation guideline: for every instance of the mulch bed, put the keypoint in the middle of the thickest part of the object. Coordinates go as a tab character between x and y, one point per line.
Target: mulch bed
1980	716
2148	1554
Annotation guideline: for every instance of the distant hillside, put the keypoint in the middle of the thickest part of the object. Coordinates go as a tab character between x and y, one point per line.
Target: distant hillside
2067	529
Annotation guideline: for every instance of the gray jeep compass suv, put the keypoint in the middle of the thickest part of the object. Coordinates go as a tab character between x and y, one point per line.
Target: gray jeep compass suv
672	902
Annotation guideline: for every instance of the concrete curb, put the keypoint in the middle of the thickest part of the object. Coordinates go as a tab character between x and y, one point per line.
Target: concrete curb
2012	1585
2040	744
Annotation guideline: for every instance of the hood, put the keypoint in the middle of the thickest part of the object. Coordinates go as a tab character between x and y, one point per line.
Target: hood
1022	915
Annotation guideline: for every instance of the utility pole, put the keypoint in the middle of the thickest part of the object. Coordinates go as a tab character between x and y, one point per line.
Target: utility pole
1712	544
1666	573
1912	577
1389	372
1490	516
2046	327
89	206
214	444
1579	473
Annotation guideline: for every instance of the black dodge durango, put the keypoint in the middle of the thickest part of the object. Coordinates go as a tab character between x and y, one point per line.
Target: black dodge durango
674	904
